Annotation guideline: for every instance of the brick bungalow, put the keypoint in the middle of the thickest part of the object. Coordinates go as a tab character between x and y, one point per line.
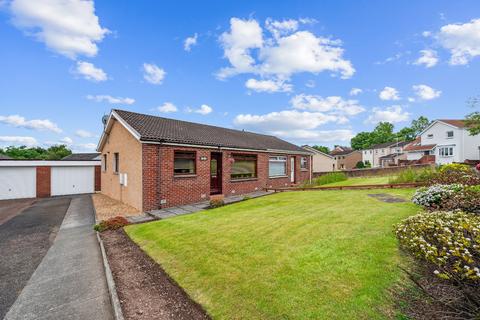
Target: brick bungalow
151	162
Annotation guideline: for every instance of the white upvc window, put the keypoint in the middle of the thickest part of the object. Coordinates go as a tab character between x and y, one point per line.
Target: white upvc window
449	134
445	152
430	136
277	166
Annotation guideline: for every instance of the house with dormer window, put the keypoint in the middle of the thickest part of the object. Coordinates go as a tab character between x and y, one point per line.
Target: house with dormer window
444	141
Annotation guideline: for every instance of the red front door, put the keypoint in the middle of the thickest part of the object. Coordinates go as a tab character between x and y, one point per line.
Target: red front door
215	173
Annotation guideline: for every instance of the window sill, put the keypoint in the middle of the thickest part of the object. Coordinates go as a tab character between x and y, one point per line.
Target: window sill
185	176
115	173
304	170
277	177
243	180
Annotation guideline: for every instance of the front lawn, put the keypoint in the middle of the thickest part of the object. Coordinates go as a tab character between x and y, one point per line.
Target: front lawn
360	181
296	255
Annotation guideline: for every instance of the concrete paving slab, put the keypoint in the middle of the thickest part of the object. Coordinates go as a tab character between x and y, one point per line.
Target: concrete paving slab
70	281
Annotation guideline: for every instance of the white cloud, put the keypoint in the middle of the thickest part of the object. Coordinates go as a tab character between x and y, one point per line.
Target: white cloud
190	42
334	105
167	107
66	140
84	134
310	84
69	27
203	110
317	136
462	40
153	73
426	34
355	91
110	99
428	58
389	93
36	124
84	147
88	71
425	92
283	54
268	85
391	114
18	141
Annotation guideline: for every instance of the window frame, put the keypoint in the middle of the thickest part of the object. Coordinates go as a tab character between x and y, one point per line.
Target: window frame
105	162
277	159
446	152
116	162
453	134
303	163
244	157
193	157
430	136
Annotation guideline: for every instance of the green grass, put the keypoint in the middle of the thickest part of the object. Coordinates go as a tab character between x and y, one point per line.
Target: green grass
361	181
294	255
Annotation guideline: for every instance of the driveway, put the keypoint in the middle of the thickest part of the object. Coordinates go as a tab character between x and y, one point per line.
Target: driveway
52	260
27	230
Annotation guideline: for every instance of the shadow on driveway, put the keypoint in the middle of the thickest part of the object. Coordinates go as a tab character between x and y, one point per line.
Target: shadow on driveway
24	240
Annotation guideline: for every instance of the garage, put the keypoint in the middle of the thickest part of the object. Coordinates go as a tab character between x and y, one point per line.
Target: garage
45	178
17	182
72	180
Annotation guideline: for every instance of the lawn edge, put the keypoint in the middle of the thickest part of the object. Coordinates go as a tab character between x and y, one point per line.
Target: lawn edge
115	302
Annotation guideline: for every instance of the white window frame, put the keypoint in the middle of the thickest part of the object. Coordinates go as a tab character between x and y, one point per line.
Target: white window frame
446	152
453	134
430	136
303	163
277	159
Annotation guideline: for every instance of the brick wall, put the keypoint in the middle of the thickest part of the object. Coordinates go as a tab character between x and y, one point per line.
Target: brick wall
98	178
43	181
159	182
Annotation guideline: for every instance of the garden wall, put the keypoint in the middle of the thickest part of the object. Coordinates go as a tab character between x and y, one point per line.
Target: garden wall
377	171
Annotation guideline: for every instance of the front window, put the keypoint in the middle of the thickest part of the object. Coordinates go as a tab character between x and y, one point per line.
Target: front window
430	136
303	163
449	134
277	166
184	162
445	152
116	162
244	166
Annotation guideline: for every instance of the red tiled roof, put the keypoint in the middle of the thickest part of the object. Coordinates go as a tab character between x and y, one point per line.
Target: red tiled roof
453	122
416	147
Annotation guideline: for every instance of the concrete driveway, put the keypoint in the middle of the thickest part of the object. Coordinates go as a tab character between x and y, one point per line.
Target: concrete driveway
51	266
27	231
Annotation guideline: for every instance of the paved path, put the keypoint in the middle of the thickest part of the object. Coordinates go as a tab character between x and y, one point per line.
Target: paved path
70	281
25	237
191	208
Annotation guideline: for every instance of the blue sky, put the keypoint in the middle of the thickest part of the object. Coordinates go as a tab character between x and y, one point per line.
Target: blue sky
279	67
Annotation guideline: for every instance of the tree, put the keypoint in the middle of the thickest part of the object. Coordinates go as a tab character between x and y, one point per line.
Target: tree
52	153
419	125
473	123
362	140
360	165
322	149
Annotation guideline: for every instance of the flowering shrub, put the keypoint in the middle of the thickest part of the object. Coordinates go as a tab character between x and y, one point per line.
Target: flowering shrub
432	197
467	199
455	173
111	224
448	241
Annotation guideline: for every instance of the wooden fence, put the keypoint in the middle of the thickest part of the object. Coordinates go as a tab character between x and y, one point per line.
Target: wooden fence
358	187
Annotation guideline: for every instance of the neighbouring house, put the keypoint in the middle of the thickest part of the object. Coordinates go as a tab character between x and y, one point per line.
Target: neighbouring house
83	156
152	162
384	154
321	162
345	158
444	141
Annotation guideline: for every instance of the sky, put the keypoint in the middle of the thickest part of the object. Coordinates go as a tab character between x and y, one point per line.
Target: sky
310	72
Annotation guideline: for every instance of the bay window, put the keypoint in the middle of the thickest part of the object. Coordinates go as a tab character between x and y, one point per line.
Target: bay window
445	151
277	166
244	166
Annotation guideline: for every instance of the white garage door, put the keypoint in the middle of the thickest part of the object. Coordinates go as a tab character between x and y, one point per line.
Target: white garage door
72	180
18	182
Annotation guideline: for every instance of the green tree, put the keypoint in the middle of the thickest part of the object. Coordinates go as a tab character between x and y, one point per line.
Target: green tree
52	153
473	123
322	149
362	140
57	152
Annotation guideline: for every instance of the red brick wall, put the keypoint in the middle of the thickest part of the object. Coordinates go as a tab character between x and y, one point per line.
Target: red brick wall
98	178
43	182
159	182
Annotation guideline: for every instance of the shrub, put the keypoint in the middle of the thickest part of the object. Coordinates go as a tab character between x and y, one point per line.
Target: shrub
329	178
411	175
455	173
216	203
360	165
111	224
447	245
432	197
467	199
